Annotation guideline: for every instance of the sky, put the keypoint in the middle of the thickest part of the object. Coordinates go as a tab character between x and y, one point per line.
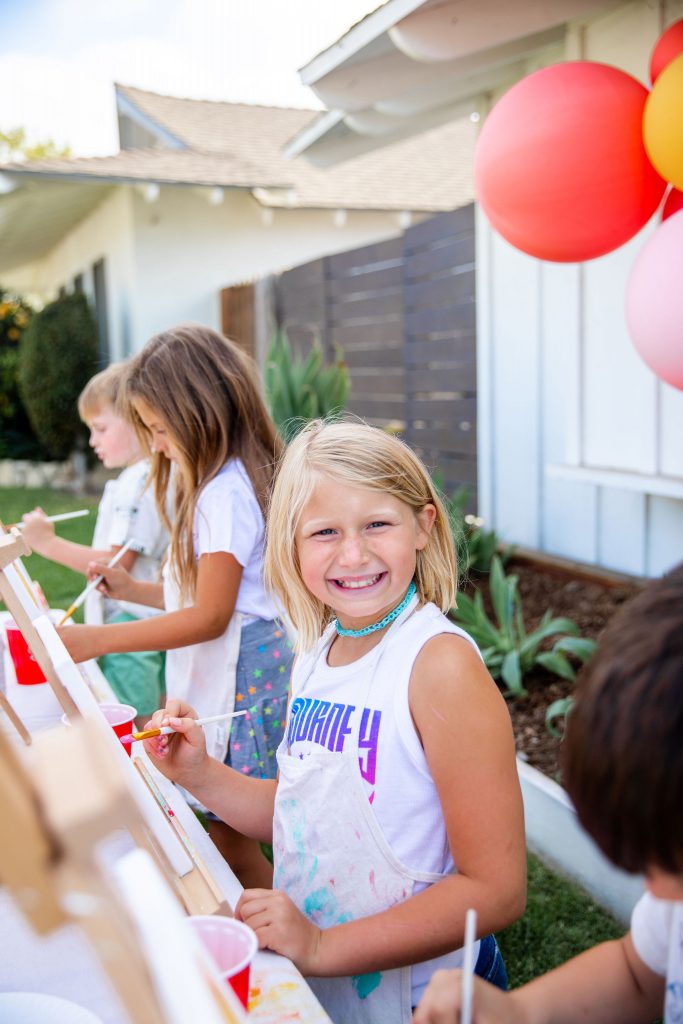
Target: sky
59	58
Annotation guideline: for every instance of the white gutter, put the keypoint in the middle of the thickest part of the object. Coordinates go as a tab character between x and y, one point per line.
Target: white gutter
357	38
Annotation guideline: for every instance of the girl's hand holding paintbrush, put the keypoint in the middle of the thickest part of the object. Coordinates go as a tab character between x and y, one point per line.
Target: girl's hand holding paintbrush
182	756
118	584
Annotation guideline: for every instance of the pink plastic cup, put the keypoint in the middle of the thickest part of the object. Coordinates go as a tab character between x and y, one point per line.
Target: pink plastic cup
120	718
232	946
26	668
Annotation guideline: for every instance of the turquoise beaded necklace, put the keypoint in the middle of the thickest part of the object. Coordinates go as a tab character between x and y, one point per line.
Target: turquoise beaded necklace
412	590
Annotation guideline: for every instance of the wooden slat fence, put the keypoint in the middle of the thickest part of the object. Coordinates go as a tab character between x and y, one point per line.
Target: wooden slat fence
403	311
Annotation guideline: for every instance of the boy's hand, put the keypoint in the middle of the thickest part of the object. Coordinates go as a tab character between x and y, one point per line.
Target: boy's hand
117	582
280	926
442	1002
181	756
37	531
81	641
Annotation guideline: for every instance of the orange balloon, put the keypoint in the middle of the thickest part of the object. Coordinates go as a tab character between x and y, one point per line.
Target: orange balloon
560	166
668	46
663	123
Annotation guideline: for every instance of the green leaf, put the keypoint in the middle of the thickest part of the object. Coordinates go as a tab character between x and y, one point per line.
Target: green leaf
511	674
581	647
558	709
557	663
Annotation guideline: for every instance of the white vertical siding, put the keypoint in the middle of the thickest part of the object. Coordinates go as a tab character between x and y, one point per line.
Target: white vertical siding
561	385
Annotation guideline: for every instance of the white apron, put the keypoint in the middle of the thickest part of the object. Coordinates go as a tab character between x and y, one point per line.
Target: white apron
204	674
329	854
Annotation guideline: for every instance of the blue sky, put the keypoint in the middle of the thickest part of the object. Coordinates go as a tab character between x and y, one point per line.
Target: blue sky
58	58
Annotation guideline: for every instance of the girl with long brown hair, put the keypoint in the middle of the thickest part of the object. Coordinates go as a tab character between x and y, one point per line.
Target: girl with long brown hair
195	401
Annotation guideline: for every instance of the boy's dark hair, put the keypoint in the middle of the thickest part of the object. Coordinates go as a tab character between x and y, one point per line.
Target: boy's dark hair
623	749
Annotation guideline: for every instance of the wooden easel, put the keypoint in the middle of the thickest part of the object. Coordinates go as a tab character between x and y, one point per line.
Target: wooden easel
60	801
162	834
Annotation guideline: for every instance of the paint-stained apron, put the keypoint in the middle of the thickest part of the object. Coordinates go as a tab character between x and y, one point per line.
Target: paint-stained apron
204	674
333	861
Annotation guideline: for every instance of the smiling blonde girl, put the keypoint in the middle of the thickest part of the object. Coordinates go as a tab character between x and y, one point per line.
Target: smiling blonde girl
397	805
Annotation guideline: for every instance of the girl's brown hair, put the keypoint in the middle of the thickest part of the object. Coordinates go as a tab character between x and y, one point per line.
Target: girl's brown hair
206	391
362	456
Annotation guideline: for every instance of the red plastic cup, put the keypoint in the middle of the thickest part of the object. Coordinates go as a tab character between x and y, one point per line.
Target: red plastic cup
121	718
26	668
232	946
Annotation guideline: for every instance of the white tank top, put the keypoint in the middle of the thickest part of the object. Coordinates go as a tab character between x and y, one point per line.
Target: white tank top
366	703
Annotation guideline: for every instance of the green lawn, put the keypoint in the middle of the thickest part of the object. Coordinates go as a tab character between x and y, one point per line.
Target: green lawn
560	919
560	922
59	585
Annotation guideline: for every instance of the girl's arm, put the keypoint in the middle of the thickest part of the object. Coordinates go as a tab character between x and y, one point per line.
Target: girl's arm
40	535
245	804
466	733
608	984
218	580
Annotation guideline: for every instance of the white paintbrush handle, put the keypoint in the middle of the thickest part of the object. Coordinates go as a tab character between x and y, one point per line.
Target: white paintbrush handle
166	730
468	967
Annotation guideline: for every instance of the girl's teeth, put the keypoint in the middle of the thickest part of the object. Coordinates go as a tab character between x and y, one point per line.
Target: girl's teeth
358	584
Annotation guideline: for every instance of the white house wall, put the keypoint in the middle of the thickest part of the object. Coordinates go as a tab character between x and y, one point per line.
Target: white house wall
106	233
186	250
580	446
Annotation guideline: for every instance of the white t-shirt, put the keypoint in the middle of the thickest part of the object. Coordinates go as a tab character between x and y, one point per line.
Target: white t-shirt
657	932
128	511
229	518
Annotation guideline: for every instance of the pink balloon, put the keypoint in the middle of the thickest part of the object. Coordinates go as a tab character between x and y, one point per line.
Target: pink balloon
654	302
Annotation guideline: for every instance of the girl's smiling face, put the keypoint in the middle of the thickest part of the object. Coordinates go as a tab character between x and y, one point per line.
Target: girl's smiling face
357	549
159	434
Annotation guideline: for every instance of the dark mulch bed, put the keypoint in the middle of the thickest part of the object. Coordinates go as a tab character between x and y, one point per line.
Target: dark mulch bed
590	604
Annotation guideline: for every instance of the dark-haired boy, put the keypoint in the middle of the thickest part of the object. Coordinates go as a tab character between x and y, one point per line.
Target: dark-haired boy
623	768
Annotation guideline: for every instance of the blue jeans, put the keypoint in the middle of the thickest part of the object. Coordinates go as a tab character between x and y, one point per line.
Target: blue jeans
490	964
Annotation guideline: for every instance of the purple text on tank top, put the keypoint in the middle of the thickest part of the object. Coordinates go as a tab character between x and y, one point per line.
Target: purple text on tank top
327	724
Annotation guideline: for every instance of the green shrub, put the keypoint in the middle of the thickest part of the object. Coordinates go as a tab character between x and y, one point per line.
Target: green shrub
301	389
507	649
58	355
17	439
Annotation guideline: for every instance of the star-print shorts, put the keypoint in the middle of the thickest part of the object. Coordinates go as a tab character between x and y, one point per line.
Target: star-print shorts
263	669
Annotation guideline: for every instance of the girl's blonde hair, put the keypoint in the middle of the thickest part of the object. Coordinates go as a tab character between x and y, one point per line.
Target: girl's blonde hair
101	390
207	393
362	456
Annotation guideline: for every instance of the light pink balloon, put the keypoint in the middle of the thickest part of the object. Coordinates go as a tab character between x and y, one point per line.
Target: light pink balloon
654	302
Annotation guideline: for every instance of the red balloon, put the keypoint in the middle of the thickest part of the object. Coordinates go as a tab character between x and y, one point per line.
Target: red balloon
560	166
668	46
673	203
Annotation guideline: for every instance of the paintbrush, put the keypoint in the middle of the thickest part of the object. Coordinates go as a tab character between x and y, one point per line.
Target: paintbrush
96	582
167	730
59	518
468	967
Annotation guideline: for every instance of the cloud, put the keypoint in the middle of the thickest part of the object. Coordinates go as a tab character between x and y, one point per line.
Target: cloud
58	83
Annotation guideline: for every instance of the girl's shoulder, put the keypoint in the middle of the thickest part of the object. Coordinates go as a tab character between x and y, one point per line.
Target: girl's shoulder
427	622
230	480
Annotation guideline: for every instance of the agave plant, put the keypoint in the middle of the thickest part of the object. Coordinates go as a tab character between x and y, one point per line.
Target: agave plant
300	389
509	651
475	545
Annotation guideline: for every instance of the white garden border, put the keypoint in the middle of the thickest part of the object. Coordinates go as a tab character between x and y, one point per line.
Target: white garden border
553	833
